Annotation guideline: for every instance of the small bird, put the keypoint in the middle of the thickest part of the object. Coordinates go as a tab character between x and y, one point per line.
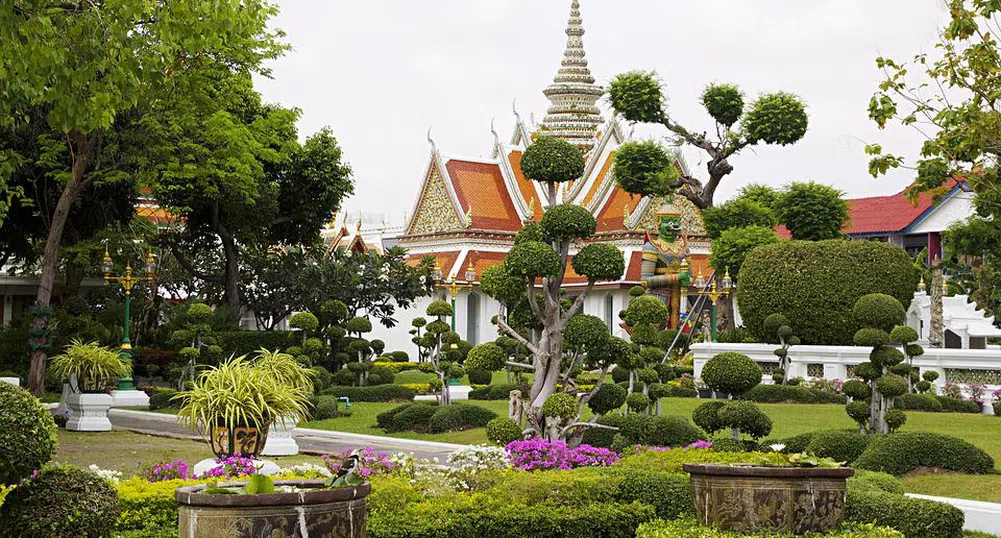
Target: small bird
347	475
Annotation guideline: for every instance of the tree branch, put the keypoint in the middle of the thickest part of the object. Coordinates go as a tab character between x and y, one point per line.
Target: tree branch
578	303
190	268
515	364
514	334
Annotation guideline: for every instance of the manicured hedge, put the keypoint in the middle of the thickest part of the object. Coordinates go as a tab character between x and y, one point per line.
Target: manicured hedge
691	528
62	501
839	445
247	342
956	405
793	394
28	435
163	398
817	283
378	393
902	452
496	392
457	417
671	461
875	481
663	431
915	518
918	402
793	445
148	506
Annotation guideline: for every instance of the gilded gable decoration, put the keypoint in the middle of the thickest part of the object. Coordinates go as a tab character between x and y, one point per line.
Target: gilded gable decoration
436	213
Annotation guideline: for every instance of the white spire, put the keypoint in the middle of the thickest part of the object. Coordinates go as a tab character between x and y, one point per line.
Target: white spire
574	115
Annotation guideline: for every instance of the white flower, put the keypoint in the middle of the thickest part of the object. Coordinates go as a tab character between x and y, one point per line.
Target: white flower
777	447
110	475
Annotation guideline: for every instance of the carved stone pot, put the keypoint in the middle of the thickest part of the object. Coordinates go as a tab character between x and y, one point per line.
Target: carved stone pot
245	441
312	512
88	412
779	499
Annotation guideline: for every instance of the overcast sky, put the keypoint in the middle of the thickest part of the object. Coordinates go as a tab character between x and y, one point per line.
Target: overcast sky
381	72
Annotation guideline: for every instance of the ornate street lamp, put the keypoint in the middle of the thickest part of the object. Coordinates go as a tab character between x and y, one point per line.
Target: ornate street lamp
128	281
714	294
453	286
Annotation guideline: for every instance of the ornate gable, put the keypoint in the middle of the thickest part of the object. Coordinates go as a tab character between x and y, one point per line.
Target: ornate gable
691	217
435	210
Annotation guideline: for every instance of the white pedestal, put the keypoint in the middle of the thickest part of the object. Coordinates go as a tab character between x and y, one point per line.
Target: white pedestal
12	380
264	467
89	412
280	441
129	398
62	409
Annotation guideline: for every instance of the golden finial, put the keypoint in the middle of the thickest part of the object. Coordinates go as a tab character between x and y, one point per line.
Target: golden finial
921	285
358	226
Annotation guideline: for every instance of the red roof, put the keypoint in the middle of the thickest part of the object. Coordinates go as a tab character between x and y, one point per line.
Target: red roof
480	186
885	214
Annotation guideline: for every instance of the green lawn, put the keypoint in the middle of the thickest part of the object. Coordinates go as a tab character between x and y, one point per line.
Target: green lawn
413	376
127	451
980	488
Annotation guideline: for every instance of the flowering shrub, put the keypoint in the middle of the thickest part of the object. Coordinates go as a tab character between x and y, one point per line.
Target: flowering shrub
232	467
370	462
161	471
305	471
687	381
479	458
833	386
996	396
110	475
952	390
536	454
977	392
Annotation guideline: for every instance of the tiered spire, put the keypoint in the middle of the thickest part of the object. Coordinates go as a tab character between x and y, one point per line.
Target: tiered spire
574	115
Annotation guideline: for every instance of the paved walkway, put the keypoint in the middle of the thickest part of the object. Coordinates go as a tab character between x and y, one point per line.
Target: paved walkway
310	441
980	516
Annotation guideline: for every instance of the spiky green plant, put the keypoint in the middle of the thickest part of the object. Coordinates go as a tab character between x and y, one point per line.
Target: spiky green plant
94	367
286	369
246	393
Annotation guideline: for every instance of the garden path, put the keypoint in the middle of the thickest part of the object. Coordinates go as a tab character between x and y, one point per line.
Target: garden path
310	441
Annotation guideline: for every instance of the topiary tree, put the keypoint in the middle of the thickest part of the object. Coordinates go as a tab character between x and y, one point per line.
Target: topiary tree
740	417
778	326
196	340
880	313
907	338
438	343
538	261
608	398
812	211
737	213
27	434
817	283
731	373
732	247
644	167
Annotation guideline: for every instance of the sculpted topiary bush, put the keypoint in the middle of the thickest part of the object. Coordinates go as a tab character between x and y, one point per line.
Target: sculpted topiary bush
27	434
731	373
817	283
880	313
902	452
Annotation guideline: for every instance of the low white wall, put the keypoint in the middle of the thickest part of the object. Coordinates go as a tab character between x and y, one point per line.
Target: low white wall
837	359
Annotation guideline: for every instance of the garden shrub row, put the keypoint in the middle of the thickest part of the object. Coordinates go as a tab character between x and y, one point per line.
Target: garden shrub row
792	394
691	528
647	430
431	418
957	405
902	452
915	518
839	445
378	393
496	392
240	343
397	367
918	402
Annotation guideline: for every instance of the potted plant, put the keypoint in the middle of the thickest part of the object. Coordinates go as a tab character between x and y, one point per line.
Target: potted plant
785	493
286	369
260	507
90	370
234	404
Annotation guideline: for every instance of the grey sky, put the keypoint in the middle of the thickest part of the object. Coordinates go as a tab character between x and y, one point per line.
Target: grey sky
380	72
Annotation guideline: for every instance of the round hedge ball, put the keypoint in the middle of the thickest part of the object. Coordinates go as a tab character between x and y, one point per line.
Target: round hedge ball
871	337
731	373
746	417
856	389
552	160
585	332
608	398
891	385
902	334
503	431
895	419
27	434
560	405
638	402
858	411
706	416
61	502
879	311
489	357
771	326
599	261
532	259
566	222
886	356
867	371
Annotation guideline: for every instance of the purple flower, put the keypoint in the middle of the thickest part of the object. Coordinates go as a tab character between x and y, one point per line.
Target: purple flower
536	454
161	471
370	462
232	467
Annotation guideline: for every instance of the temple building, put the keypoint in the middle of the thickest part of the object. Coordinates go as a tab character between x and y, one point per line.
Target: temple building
468	211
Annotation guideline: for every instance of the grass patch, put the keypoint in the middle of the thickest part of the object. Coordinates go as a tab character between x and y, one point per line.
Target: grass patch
961	486
413	376
127	451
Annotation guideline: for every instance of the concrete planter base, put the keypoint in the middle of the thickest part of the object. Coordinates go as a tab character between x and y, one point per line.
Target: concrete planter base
88	412
312	512
776	499
280	441
12	380
129	398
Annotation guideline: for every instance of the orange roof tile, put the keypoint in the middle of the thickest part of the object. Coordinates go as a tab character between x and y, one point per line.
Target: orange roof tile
482	261
444	260
527	188
610	217
481	187
634	267
605	168
155	214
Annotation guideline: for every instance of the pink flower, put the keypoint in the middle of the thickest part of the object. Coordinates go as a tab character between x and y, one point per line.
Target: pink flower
535	454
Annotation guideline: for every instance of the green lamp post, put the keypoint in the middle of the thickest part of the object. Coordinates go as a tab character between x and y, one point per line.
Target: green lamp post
127	281
453	286
714	294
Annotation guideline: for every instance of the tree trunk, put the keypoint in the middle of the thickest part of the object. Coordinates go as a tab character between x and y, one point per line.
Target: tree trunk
79	146
231	286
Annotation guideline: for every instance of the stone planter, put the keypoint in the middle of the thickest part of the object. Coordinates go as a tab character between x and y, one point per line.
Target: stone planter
778	499
88	412
243	440
310	513
280	441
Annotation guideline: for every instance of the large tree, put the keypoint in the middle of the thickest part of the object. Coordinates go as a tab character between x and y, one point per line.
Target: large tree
539	260
775	118
90	63
232	168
